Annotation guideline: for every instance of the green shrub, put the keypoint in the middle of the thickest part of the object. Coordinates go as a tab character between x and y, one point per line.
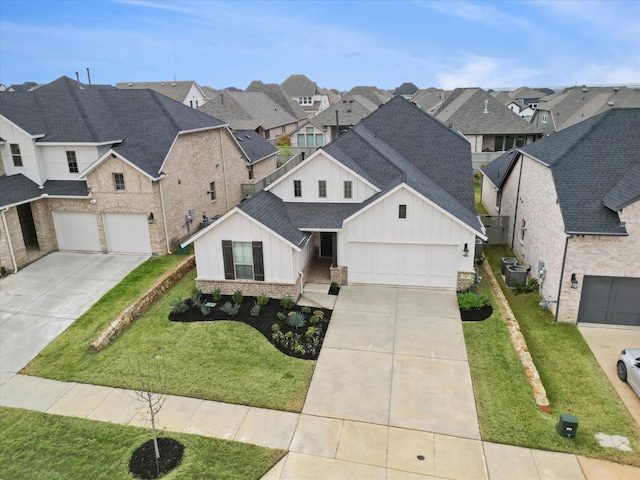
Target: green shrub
217	295
204	309
178	306
3	270
287	303
311	331
319	314
255	310
288	335
470	300
299	348
281	316
275	327
237	297
196	298
313	320
262	299
306	310
296	319
230	309
529	287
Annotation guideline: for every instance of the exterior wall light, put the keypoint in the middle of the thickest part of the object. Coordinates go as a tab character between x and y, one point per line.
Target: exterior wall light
465	251
150	218
574	281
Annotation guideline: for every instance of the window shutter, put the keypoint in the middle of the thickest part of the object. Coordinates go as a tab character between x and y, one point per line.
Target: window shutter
258	263
227	256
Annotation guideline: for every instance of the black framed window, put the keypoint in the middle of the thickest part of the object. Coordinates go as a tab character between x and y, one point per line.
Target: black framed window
17	156
402	211
118	181
72	161
297	188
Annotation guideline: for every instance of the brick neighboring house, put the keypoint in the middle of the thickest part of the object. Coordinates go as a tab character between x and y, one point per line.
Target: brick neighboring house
99	169
573	201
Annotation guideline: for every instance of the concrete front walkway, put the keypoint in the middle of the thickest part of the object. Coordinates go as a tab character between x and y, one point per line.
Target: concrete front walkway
43	299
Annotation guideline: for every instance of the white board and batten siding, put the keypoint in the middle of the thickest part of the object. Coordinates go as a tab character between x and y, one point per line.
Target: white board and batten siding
425	249
127	232
318	168
77	231
281	260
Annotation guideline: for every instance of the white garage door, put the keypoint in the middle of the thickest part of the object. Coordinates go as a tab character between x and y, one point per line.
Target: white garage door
127	232
403	264
77	231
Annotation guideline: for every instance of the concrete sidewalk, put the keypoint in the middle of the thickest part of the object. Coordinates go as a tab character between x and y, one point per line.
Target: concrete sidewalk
319	448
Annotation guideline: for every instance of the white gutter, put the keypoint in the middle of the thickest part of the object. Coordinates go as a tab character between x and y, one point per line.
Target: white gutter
6	229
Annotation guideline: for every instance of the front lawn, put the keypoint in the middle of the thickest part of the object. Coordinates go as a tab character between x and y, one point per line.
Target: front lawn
223	361
36	445
574	381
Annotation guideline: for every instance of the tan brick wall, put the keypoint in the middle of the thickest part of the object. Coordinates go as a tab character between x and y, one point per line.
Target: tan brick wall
264	167
251	288
140	195
465	281
17	242
196	160
339	275
544	238
489	195
609	256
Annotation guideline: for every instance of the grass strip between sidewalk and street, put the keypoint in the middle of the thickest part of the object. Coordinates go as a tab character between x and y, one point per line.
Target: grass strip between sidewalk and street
39	446
574	381
223	361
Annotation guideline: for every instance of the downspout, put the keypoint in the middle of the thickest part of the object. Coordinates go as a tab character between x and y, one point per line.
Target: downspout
515	214
224	173
564	260
164	217
6	230
301	283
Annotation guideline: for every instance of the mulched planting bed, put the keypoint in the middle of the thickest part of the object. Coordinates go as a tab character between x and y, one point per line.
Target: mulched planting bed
143	461
476	314
300	342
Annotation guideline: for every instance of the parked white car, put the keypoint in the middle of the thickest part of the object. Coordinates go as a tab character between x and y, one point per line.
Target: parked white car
629	367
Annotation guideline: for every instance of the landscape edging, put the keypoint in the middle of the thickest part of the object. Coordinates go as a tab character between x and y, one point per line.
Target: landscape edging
519	343
164	283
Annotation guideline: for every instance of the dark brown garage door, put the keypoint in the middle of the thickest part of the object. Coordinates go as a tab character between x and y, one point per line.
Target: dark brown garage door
612	300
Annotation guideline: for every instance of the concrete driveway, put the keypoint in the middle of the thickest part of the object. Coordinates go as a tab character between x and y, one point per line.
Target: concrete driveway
606	343
43	299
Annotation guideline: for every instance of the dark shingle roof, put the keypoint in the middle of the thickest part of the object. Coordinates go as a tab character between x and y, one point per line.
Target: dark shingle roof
595	166
178	90
398	143
18	189
407	88
143	121
275	93
253	145
465	110
588	161
270	210
299	85
350	110
247	110
498	169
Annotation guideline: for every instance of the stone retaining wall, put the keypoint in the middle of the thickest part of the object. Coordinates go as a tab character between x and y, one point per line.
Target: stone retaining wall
519	343
168	280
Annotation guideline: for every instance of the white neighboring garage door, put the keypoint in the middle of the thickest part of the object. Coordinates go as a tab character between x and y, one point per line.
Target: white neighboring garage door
77	231
127	232
403	264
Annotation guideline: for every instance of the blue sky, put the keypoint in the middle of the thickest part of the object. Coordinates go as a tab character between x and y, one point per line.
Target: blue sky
337	44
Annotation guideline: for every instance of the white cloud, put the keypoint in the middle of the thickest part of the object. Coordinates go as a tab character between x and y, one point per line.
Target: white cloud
487	72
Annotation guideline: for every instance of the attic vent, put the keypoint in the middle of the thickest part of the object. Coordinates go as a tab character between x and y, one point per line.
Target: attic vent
131	84
610	103
615	89
239	139
162	84
584	89
344	101
173	84
247	136
350	101
486	106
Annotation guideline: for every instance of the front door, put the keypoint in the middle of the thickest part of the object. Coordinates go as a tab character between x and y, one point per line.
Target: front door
326	245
